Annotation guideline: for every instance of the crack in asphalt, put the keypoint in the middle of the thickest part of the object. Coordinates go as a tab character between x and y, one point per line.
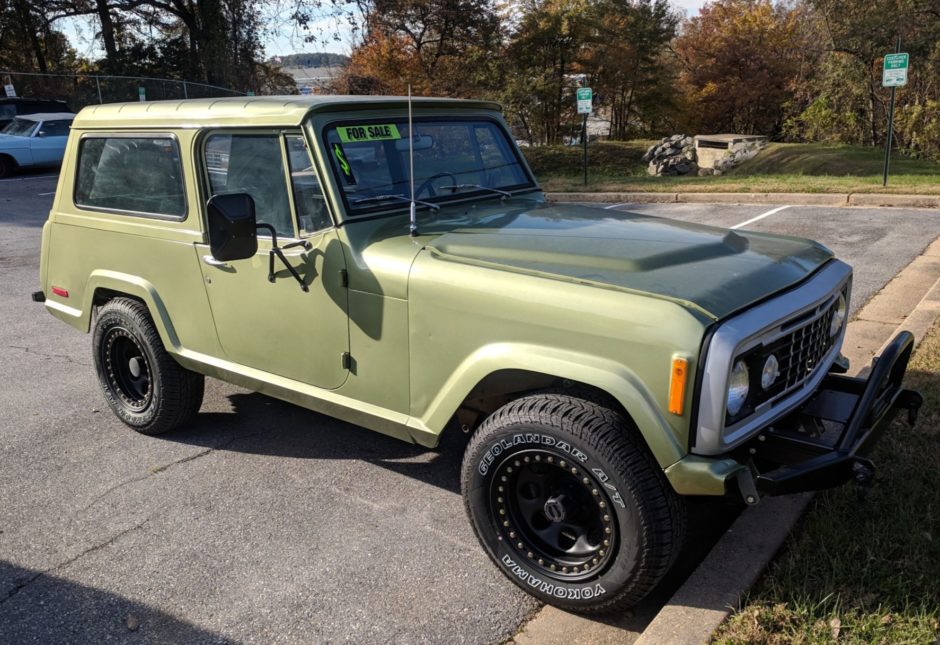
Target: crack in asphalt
164	467
97	547
29	350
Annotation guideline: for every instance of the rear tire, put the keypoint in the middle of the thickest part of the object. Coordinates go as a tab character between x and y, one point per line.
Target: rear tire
144	386
569	503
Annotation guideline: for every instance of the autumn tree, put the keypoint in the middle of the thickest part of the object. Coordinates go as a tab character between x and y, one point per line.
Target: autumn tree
545	50
442	47
740	60
629	64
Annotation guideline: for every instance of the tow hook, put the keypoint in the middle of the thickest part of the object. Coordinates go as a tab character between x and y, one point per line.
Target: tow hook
863	472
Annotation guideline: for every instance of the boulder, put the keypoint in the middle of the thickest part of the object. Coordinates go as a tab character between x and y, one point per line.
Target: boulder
672	156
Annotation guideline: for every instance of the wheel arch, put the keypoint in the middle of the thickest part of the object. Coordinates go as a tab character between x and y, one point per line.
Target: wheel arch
5	156
105	285
495	375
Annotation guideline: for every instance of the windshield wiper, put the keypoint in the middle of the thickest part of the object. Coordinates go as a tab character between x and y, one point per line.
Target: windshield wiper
383	198
504	193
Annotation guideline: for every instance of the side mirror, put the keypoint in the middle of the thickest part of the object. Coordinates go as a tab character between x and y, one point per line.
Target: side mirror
232	231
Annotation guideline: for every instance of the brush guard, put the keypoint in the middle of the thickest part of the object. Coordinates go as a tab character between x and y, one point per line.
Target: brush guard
826	441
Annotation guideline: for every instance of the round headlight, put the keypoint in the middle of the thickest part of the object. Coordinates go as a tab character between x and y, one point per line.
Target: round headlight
771	371
738	387
838	316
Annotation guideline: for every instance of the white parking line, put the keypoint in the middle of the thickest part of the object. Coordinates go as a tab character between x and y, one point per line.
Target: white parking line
759	217
27	178
607	208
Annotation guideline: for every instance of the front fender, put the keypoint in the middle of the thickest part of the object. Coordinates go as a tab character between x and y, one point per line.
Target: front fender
609	376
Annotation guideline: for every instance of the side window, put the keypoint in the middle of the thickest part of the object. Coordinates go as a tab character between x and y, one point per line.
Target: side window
312	213
133	174
494	152
56	128
253	164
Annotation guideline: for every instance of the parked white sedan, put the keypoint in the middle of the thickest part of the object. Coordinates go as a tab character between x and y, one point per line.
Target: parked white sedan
34	140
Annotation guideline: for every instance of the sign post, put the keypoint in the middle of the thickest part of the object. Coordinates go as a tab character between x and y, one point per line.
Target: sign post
894	75
585	97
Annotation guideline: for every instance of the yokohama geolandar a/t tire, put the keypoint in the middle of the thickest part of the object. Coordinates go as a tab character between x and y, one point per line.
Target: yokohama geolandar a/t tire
570	504
147	389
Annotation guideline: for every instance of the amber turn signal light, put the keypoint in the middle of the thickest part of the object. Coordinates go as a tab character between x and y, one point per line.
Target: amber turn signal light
680	374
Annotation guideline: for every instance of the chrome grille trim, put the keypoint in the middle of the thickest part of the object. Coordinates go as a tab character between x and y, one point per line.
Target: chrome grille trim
810	306
805	347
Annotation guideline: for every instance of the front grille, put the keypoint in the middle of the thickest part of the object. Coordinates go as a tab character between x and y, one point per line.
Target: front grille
800	351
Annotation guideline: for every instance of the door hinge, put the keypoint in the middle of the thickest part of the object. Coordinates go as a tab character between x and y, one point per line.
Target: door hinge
347	360
344	277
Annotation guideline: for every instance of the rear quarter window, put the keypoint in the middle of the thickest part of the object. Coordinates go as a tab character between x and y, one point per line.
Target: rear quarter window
133	175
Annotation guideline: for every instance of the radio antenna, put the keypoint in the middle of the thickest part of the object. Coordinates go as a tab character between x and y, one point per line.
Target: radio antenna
411	169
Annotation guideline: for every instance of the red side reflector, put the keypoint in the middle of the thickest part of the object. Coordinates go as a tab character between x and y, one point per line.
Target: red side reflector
59	291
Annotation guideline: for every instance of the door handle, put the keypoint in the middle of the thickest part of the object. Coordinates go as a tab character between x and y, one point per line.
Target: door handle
212	262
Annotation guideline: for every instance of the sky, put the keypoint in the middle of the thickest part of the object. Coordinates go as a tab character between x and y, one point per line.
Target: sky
80	32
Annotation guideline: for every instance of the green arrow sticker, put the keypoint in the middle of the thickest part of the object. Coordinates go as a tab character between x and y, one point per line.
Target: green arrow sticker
343	163
356	133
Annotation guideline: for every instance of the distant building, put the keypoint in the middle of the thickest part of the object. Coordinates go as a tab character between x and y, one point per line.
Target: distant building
313	80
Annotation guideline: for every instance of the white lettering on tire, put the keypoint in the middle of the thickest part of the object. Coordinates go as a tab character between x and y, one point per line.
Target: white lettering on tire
605	480
558	591
521	439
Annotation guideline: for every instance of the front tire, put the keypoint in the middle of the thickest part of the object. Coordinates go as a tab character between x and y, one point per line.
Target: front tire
7	166
570	504
144	386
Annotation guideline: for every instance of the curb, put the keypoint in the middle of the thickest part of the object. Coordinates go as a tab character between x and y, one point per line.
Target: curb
715	588
794	199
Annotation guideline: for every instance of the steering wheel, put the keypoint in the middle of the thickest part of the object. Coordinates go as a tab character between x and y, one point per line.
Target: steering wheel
428	185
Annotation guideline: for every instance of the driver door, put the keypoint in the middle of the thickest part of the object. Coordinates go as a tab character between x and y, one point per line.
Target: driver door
277	327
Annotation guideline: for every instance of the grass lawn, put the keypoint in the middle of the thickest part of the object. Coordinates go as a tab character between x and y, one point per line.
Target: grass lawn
863	572
781	167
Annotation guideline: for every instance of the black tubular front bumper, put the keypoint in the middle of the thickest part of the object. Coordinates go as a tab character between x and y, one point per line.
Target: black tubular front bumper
825	442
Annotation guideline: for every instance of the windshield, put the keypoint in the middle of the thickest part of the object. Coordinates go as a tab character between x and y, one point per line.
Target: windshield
20	127
452	159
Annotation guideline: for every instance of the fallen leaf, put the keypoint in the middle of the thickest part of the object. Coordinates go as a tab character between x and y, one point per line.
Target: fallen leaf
836	626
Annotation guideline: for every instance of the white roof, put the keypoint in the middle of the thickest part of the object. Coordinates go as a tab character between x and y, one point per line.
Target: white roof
47	116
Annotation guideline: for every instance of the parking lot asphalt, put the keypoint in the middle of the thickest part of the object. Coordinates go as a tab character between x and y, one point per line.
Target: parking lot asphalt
263	522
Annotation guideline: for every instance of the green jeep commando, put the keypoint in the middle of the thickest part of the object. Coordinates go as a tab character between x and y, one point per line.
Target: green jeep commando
396	265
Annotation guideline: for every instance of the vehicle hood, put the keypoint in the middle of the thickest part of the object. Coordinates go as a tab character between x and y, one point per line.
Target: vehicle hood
717	271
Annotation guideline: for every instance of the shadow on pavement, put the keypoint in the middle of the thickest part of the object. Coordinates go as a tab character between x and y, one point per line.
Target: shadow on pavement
40	608
266	426
262	425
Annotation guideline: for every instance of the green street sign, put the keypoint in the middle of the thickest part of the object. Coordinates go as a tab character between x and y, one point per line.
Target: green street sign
895	70
585	97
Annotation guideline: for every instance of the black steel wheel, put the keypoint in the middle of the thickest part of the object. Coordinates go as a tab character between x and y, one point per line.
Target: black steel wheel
126	368
570	504
144	386
553	513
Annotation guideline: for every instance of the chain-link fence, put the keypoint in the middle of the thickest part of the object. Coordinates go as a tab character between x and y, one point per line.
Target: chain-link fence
79	90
